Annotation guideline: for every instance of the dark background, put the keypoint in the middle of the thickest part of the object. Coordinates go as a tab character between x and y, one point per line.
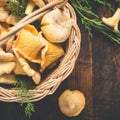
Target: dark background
96	74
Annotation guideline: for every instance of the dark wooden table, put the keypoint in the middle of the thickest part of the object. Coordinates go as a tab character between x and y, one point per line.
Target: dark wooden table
96	74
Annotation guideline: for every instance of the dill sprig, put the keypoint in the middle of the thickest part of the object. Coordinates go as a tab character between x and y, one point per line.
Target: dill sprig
29	109
90	20
17	7
22	88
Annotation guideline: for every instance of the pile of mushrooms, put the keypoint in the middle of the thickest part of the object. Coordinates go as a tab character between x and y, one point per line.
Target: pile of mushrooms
30	51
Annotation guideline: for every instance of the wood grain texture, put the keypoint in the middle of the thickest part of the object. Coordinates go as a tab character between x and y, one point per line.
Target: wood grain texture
96	74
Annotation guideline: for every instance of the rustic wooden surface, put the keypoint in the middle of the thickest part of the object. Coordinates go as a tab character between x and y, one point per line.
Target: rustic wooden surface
96	74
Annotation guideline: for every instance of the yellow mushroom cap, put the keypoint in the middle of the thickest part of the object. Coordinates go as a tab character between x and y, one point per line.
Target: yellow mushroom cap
28	44
50	53
71	103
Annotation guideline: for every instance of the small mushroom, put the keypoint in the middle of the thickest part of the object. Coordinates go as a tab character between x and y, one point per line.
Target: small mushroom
7	67
6	57
113	21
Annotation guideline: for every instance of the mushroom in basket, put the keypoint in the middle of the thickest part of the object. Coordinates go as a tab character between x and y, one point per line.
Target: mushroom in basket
56	26
35	50
39	52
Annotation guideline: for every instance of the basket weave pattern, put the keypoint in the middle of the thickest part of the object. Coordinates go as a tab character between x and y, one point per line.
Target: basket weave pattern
52	82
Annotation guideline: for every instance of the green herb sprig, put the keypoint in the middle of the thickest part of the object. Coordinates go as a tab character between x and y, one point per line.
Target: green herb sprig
90	20
17	7
22	87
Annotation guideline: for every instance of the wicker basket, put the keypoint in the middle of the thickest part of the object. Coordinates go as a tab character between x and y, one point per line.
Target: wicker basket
52	82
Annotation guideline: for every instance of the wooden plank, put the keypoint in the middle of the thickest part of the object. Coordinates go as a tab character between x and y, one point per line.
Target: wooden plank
81	77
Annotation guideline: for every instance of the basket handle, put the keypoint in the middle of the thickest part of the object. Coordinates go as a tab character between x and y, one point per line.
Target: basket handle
31	18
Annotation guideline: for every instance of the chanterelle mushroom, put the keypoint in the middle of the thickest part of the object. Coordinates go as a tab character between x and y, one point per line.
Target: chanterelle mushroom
113	21
7	62
28	44
50	53
6	57
27	68
7	67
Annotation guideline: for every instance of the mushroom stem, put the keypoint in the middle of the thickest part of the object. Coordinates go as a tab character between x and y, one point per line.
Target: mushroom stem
30	6
113	21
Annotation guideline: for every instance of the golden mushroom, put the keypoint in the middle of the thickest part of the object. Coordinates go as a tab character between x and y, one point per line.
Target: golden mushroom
7	62
23	67
71	102
28	44
50	53
113	21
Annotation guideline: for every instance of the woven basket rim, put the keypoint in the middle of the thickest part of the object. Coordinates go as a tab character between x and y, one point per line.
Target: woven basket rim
65	68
